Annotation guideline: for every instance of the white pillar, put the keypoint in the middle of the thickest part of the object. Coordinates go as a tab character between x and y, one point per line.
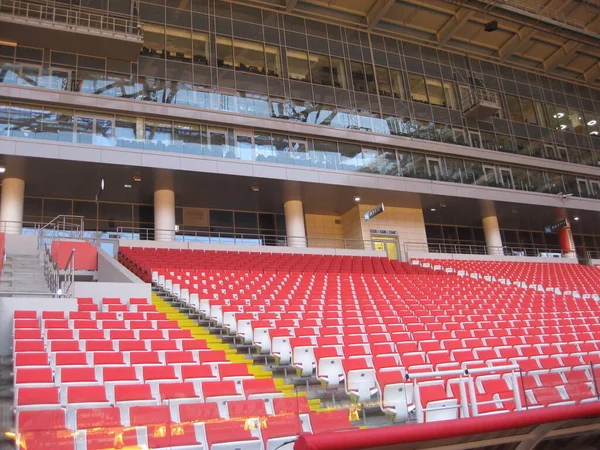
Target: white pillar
164	215
491	229
294	223
11	205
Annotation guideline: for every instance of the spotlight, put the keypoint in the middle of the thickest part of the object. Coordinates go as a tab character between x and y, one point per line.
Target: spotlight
591	123
356	198
491	26
137	178
255	188
576	218
2	169
562	127
128	186
432	209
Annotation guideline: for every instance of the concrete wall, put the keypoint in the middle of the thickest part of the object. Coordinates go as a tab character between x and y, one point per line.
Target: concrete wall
249	248
8	305
21	244
426	255
323	226
110	270
351	224
99	290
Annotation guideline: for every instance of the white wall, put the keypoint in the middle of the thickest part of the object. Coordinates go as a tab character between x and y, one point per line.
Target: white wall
249	248
8	305
426	255
21	244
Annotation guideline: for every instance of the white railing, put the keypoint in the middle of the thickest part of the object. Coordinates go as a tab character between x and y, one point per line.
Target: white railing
73	18
60	281
479	95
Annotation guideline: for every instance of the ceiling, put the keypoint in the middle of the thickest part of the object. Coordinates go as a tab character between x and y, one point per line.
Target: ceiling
557	37
81	181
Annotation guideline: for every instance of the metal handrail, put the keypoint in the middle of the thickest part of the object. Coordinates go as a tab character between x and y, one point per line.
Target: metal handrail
69	276
479	249
243	238
72	17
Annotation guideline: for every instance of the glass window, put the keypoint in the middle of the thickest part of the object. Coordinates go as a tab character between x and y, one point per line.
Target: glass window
298	65
188	137
249	56
383	81
405	164
577	123
474	172
338	69
358	76
158	132
154	39
520	179
436	92
57	125
528	111
523	147
370	75
514	108
592	124
200	47
562	116
179	44
418	93
351	156
397	84
126	130
455	169
273	60
450	91
224	52
541	114
320	69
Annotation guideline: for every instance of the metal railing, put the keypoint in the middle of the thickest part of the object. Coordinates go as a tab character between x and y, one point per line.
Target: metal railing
61	227
478	95
219	237
60	281
72	18
478	249
68	276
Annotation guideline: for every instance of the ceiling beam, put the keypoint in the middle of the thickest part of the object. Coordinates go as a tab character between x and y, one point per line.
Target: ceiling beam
377	11
592	73
564	55
461	17
516	43
290	5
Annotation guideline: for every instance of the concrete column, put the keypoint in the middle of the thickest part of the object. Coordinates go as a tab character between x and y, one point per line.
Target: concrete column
164	215
565	236
294	223
491	229
11	205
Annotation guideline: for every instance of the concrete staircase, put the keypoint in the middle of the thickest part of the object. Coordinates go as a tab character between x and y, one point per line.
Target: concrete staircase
24	273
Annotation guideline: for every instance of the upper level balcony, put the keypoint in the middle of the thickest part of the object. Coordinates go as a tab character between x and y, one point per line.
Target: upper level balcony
479	103
69	29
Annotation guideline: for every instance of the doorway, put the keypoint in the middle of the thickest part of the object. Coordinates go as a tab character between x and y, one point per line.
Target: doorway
434	168
387	244
94	130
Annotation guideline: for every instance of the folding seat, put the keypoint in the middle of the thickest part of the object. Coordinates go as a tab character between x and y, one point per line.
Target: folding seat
260	388
220	392
196	412
360	381
87	334
26	324
37	345
330	421
154	375
246	408
167	325
37	398
279	430
581	392
234	372
433	404
229	435
507	352
71	359
51	315
132	346
198	373
465	357
108	359
47	439
173	436
127	395
396	394
19	314
329	367
407	347
571	361
295	406
34	377
441	360
413	359
52	419
73	376
548	396
144	359
78	315
147	415
163	345
575	376
550	379
79	324
85	397
64	346
385	363
111	376
97	418
493	395
99	346
31	334
429	345
88	307
174	394
549	363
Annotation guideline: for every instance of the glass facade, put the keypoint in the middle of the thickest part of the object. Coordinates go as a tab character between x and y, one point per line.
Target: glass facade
235	58
59	124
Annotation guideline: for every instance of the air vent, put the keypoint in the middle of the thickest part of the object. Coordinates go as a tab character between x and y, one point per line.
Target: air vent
337	221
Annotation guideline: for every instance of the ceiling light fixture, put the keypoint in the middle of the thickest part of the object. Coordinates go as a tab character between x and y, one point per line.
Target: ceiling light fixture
576	218
255	188
356	198
127	185
137	178
2	169
433	209
591	123
491	26
8	43
559	115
